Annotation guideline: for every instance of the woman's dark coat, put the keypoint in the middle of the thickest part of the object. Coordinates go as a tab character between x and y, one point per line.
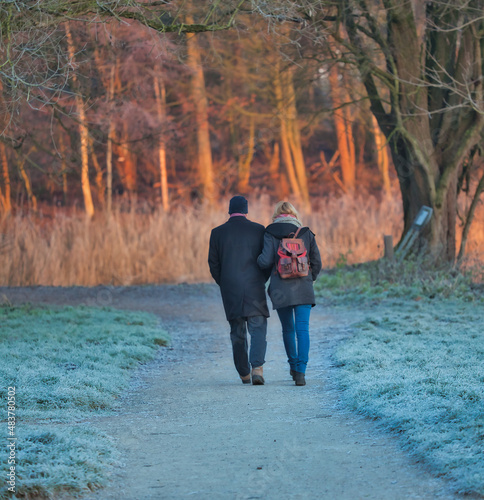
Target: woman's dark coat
232	258
289	292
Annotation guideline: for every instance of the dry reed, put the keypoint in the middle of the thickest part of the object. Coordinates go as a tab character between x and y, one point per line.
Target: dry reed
136	248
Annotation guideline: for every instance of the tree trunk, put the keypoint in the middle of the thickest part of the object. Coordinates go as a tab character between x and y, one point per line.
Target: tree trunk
470	217
284	134
125	162
4	119
344	133
99	173
417	186
111	138
382	156
109	167
25	178
246	159
274	163
2	201
279	182
130	170
160	93
83	132
7	197
205	164
111	82
295	139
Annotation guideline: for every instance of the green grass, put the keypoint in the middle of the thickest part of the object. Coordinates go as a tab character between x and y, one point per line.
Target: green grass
414	279
415	363
67	363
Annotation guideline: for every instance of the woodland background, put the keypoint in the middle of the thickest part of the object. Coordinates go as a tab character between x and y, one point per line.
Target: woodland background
154	132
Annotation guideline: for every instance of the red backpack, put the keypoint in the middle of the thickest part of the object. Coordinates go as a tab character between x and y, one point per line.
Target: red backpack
293	257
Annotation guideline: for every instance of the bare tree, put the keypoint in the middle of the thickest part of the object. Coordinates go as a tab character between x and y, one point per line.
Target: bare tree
32	59
435	116
428	58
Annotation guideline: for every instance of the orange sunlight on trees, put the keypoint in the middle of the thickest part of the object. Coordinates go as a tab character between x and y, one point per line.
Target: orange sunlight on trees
181	104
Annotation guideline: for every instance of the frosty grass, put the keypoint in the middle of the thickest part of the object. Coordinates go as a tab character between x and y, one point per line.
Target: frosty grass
416	364
67	363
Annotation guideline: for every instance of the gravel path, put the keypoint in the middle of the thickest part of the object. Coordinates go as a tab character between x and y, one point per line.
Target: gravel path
188	428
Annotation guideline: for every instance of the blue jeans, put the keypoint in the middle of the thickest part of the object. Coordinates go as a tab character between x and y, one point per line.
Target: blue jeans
295	333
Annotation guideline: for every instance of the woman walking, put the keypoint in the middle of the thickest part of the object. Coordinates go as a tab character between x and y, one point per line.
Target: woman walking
292	297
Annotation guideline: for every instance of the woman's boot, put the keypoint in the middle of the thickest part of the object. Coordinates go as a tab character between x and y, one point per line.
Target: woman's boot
299	378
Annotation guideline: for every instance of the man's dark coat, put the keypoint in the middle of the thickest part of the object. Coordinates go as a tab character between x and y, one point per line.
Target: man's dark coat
232	257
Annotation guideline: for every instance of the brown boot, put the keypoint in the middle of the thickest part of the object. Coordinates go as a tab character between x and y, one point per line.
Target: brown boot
257	378
246	379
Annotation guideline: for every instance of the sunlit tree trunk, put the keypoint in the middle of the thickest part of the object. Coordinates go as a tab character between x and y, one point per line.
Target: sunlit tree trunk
245	160
83	132
113	77
295	138
109	167
284	134
382	156
344	133
99	173
129	163
2	200
111	82
6	196
470	217
160	93
25	178
205	164
290	137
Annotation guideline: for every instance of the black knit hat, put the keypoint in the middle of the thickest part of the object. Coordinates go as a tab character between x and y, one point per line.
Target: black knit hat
238	205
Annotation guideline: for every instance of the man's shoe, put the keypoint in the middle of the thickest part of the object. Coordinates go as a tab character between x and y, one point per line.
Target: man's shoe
299	378
292	373
246	379
257	378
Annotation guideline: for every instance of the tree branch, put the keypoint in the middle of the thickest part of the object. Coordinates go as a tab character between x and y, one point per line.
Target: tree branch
366	67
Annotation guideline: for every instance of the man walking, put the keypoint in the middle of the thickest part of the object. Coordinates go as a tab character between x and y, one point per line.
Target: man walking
234	248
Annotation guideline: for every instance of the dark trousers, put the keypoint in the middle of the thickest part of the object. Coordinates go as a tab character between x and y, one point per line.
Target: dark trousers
257	326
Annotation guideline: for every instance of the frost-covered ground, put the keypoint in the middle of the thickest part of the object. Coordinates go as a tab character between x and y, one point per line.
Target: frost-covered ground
415	362
66	363
412	359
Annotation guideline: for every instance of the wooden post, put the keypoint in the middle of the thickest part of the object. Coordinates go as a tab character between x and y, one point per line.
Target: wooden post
388	243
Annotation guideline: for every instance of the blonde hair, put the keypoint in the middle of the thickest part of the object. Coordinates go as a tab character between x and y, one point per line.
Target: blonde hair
285	207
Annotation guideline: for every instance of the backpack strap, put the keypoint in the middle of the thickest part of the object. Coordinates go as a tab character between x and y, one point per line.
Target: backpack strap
297	232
